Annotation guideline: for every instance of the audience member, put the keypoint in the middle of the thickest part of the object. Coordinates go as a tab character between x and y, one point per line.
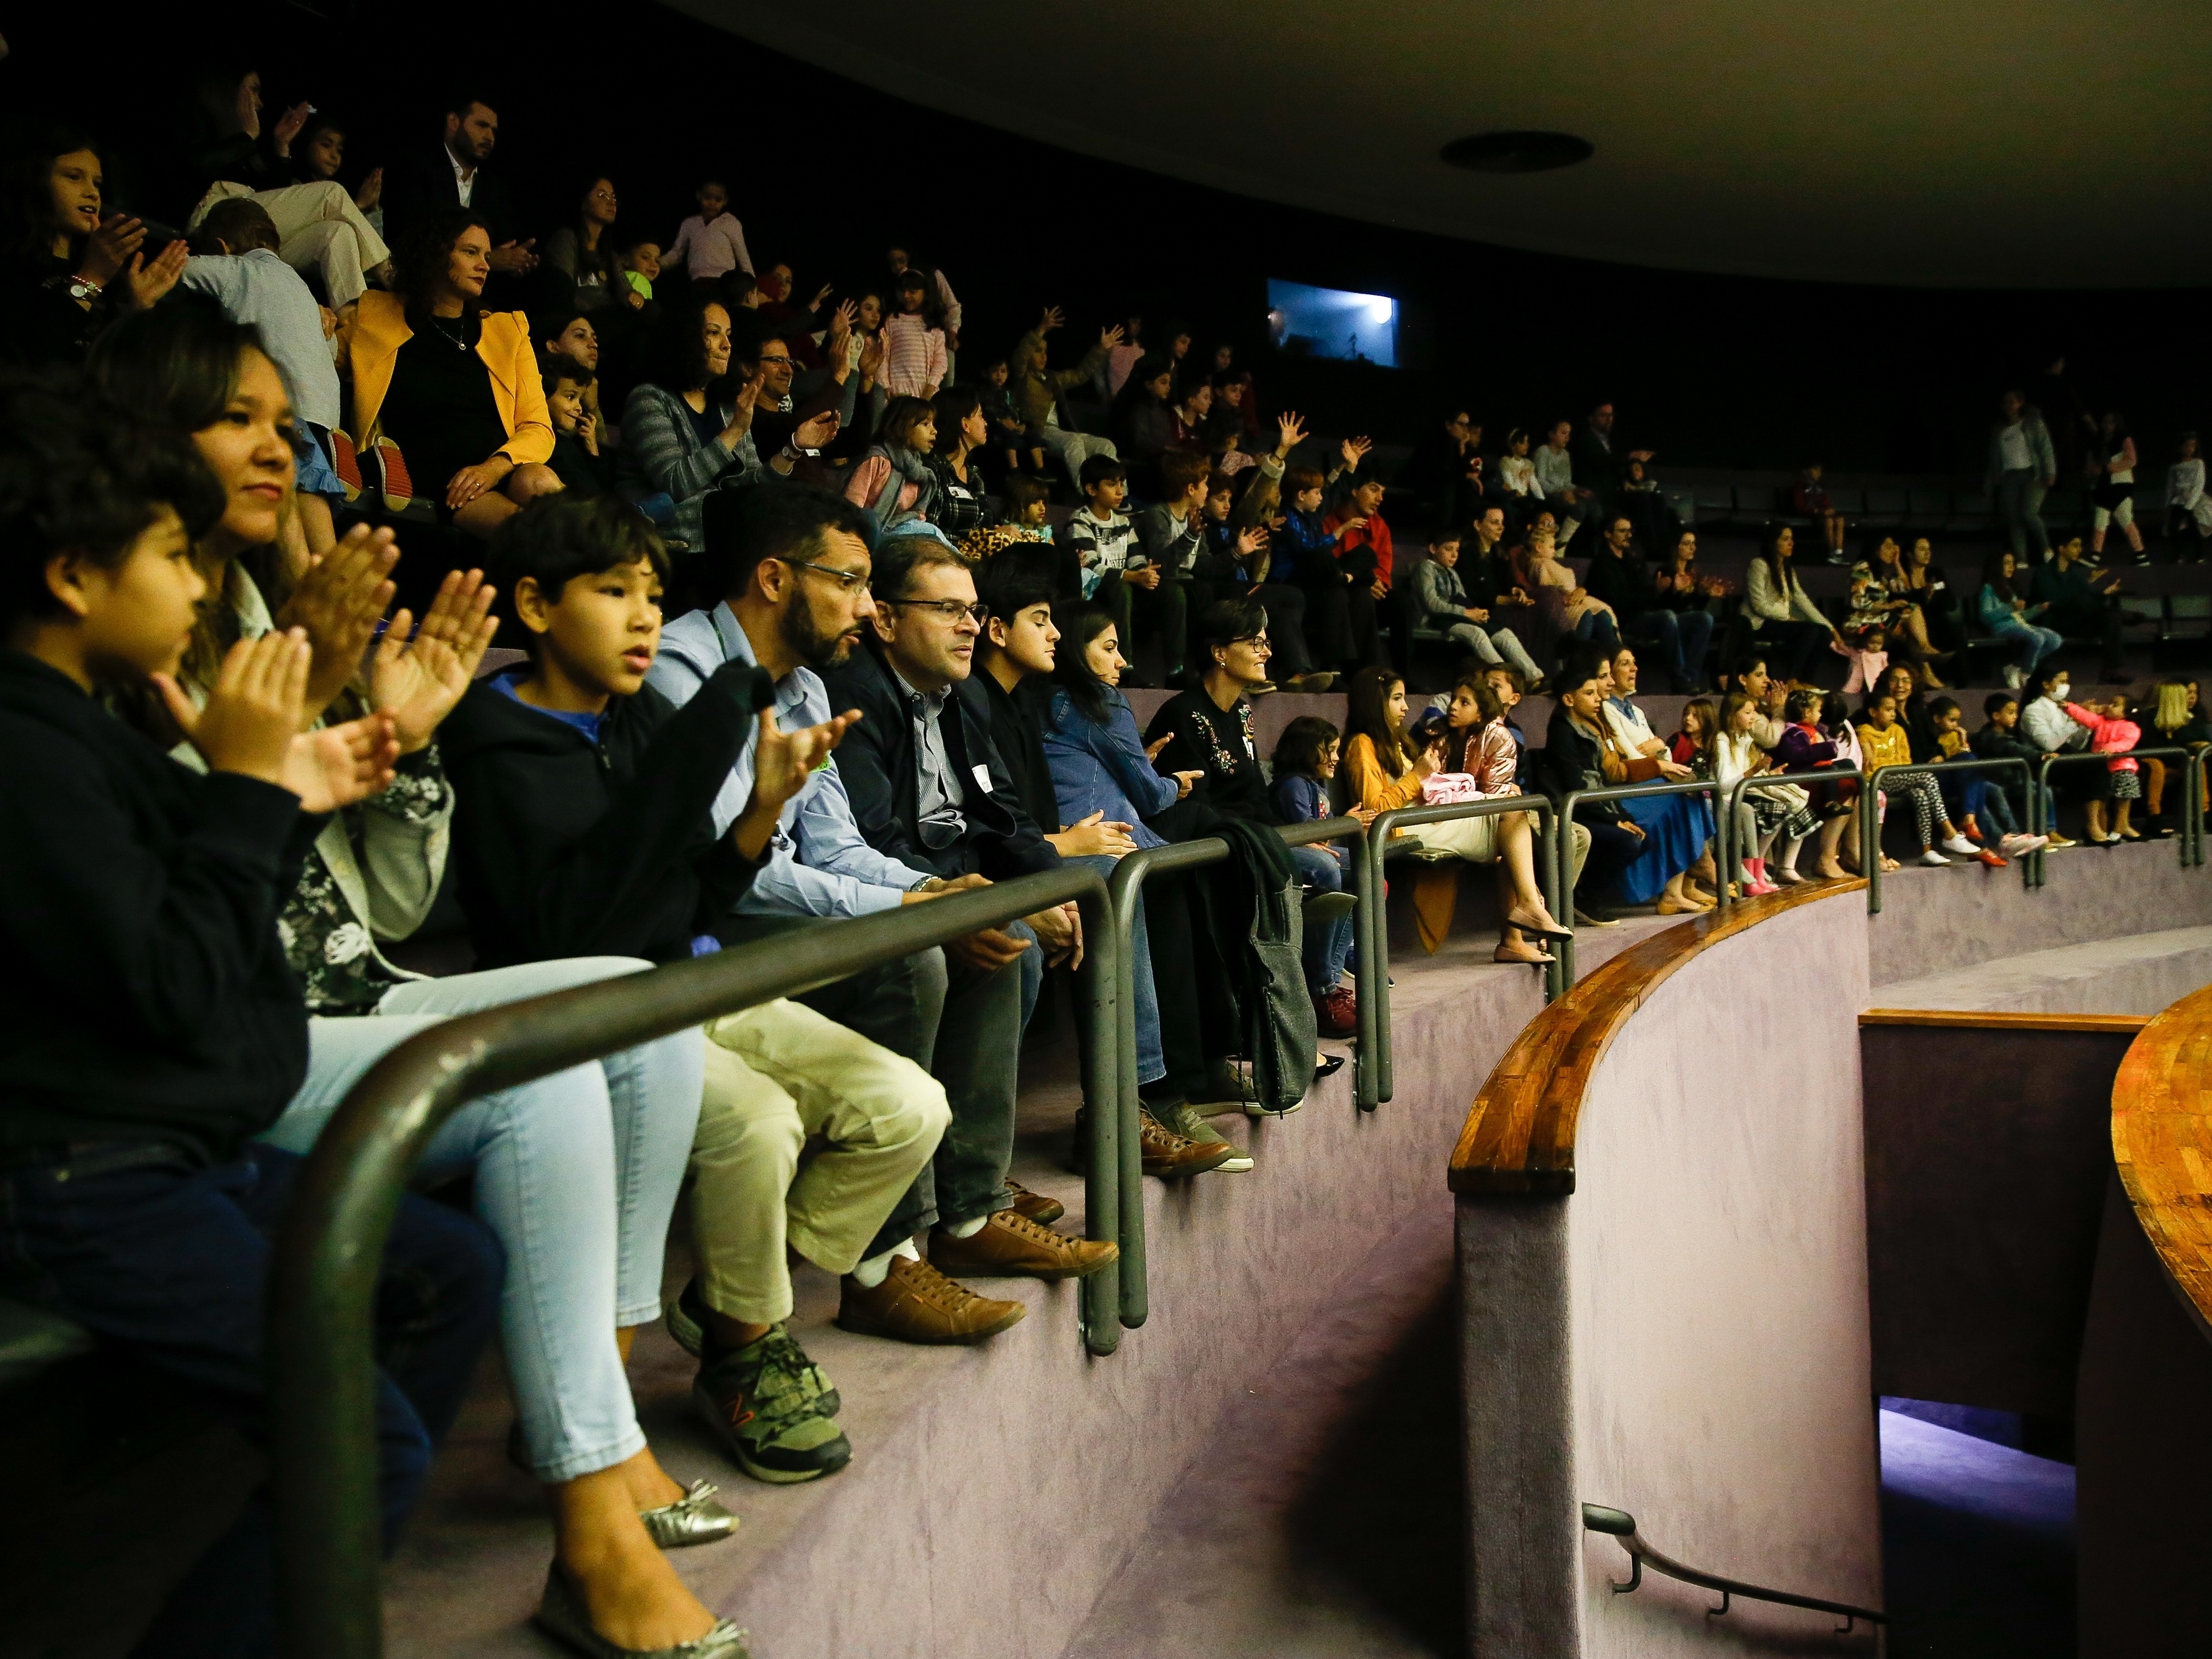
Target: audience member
927	789
1882	742
576	459
1677	827
1581	753
423	185
1036	395
1554	473
580	256
963	503
1624	580
1571	614
2021	467
443	390
2006	613
2071	603
2113	499
1810	497
70	271
1780	612
711	243
1233	564
1304	771
135	1101
894	482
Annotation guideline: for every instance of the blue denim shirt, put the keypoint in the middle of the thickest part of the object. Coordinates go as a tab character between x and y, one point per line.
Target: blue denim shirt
1103	768
817	863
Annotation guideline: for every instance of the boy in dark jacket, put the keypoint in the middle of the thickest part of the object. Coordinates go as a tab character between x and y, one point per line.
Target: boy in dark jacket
162	1028
585	827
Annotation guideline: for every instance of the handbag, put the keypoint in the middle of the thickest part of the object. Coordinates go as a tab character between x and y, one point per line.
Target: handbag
1447	788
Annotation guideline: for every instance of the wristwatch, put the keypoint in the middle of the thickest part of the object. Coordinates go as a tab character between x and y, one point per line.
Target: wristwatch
83	290
929	885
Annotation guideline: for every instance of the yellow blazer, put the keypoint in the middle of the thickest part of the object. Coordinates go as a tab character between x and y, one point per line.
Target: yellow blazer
370	342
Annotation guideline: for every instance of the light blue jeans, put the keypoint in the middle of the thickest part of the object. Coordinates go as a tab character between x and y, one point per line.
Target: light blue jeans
576	1173
1327	949
2030	644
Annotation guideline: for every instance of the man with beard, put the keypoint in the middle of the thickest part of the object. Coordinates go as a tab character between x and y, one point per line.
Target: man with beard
793	564
422	183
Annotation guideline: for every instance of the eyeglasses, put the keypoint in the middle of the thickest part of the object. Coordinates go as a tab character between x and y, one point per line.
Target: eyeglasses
846	581
950	609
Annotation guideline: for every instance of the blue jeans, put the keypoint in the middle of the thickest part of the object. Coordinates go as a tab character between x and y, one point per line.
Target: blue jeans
1327	949
1152	1059
577	1174
1596	626
1682	638
2031	644
169	1263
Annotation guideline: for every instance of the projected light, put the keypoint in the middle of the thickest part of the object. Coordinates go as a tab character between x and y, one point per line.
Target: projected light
1333	322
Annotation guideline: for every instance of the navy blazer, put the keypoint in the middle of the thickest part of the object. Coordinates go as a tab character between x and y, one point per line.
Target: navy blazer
877	761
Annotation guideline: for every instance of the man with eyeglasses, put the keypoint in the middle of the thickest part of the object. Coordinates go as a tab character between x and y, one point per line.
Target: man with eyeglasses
785	400
929	789
795	567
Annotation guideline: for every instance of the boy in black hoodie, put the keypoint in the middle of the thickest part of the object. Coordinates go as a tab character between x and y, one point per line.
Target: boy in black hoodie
162	1028
584	827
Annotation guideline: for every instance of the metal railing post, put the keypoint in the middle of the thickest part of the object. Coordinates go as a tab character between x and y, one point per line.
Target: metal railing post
1106	1008
1870	863
1375	1024
1574	798
329	1250
2192	817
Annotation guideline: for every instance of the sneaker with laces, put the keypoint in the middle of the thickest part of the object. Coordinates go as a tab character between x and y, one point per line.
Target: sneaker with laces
1035	1205
685	1316
1172	1157
917	1304
1336	1013
1010	1243
1961	846
1184	1120
764	1404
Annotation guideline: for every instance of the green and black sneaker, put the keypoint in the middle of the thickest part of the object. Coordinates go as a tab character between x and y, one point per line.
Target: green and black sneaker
687	1320
765	1403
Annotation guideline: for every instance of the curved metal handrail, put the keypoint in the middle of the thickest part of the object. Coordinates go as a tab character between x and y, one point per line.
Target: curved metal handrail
1566	847
330	1248
1870	810
1621	1525
1725	849
2192	807
1371	1079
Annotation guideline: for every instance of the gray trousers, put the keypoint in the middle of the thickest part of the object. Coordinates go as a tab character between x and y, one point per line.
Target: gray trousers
2019	504
1495	648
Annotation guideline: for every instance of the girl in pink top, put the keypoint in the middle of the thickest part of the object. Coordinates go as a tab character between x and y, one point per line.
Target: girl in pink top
2111	732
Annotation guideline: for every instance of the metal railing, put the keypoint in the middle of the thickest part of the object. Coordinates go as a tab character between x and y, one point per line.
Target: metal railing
1726	853
330	1248
1566	841
1125	894
1371	1081
1621	1525
1869	811
2040	801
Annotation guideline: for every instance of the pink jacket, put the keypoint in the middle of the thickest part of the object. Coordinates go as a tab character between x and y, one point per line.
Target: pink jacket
2109	737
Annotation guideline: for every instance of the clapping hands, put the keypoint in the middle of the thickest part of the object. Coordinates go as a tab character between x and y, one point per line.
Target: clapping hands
416	682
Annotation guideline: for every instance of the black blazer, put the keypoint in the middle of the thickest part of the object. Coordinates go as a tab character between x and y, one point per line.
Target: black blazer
877	762
420	183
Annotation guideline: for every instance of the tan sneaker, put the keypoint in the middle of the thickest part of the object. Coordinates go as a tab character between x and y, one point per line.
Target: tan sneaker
1035	1205
1172	1157
1011	1244
917	1304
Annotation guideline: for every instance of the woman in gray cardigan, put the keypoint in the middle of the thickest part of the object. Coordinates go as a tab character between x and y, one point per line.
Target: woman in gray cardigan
689	430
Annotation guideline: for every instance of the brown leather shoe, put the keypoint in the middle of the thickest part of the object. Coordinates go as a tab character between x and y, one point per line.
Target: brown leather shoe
917	1304
1035	1205
1010	1243
1170	1156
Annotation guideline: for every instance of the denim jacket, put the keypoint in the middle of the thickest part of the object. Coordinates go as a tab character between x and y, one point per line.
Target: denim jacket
1099	767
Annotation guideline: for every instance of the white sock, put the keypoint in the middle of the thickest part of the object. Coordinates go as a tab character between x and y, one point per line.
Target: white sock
871	1272
968	1229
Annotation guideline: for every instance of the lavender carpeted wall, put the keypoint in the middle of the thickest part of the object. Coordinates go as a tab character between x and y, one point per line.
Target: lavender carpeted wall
1692	1322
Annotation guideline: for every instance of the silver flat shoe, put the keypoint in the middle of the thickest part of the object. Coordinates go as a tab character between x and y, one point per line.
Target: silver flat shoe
694	1518
562	1616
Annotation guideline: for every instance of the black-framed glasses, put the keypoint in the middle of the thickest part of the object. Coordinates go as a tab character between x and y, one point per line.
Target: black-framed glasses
846	581
950	609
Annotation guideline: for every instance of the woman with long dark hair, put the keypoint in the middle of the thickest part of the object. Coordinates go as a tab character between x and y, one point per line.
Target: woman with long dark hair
582	252
962	432
2005	612
1781	614
446	394
68	271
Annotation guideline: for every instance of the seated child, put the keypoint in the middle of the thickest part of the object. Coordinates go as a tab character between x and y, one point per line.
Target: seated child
1692	746
1869	656
162	1031
2000	739
584	827
1009	434
1305	766
576	457
1883	742
1968	796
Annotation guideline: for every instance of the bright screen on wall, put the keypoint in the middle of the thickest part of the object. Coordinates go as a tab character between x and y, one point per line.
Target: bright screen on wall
1333	322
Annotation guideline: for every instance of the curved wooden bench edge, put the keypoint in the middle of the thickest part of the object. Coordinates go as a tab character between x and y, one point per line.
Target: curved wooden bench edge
1519	1137
2162	1144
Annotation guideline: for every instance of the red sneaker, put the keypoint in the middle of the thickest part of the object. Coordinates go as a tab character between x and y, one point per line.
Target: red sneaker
1336	1013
